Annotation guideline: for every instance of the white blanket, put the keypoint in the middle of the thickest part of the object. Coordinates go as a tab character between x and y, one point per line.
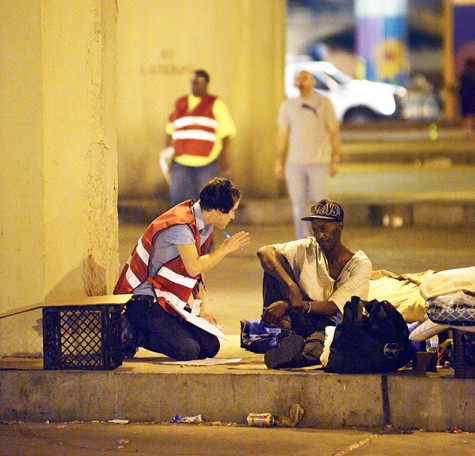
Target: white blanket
448	281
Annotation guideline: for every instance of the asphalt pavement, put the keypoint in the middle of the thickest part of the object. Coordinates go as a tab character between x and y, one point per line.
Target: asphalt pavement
88	439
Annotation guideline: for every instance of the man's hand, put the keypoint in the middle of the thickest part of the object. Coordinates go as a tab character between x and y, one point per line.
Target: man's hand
333	169
273	313
279	171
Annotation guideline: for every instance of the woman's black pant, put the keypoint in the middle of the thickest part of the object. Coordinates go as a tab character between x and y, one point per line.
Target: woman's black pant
158	331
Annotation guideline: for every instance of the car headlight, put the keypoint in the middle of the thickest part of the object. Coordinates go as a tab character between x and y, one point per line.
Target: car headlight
401	92
400	98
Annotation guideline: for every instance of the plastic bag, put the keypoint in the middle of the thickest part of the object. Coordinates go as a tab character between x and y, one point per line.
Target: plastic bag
456	309
165	160
256	337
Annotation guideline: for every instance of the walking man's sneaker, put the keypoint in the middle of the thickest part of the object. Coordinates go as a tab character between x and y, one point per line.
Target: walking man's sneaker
286	354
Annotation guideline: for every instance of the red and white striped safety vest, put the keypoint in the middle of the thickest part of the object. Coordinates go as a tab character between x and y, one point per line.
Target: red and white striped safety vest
172	283
195	131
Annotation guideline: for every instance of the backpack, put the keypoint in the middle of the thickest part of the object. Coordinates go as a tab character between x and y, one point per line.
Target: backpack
371	338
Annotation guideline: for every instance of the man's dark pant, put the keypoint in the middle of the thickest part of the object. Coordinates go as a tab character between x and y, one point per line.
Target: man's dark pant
187	181
161	332
310	327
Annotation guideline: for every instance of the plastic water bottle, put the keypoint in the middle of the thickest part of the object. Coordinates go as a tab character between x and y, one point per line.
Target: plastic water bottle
432	344
432	347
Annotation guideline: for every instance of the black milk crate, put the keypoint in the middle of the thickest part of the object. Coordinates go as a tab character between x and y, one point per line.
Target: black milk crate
463	354
86	337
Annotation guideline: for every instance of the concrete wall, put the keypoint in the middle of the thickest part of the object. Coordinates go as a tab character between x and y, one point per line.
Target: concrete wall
241	43
59	224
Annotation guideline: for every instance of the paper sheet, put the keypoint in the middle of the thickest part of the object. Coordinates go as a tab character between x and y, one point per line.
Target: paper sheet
198	321
204	362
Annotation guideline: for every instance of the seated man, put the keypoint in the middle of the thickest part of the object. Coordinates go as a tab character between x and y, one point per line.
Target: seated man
306	283
166	267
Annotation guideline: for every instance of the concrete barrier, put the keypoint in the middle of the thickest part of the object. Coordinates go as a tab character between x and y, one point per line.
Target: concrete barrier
148	392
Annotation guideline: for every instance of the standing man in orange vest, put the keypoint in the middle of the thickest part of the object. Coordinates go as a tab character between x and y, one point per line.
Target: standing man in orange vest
164	273
199	130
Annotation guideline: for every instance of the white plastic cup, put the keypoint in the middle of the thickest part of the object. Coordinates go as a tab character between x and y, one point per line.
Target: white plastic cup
329	332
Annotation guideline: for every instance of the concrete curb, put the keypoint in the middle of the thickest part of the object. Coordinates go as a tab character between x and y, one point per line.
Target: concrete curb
434	402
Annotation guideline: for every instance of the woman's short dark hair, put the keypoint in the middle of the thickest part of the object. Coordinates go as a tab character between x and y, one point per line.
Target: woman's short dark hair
220	194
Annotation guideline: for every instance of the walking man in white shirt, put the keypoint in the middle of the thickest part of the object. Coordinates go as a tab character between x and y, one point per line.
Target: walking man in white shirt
308	127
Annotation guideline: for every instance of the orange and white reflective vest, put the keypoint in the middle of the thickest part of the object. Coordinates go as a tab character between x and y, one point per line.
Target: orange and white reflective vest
195	131
172	283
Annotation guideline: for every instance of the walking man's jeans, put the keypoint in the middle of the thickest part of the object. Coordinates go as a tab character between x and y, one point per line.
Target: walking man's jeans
306	185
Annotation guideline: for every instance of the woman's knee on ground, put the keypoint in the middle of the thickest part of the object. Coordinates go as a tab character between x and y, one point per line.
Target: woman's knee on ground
187	350
210	349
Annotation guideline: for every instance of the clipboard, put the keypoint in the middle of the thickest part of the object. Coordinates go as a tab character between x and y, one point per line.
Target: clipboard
198	321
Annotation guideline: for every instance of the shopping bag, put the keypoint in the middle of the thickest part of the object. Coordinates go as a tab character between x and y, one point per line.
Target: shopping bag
165	160
256	337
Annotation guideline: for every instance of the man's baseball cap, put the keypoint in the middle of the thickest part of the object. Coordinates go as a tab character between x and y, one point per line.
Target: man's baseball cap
325	210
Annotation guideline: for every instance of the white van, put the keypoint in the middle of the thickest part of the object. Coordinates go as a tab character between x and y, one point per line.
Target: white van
354	100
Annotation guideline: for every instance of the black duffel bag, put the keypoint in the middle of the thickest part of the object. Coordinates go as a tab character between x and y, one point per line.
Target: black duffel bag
372	338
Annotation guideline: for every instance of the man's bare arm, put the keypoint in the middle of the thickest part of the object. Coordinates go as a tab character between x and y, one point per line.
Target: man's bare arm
271	264
321	307
168	140
223	160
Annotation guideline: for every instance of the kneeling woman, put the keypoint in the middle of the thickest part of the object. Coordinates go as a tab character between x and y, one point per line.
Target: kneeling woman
165	271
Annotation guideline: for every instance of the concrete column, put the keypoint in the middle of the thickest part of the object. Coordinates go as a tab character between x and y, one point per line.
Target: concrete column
79	150
59	225
381	39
